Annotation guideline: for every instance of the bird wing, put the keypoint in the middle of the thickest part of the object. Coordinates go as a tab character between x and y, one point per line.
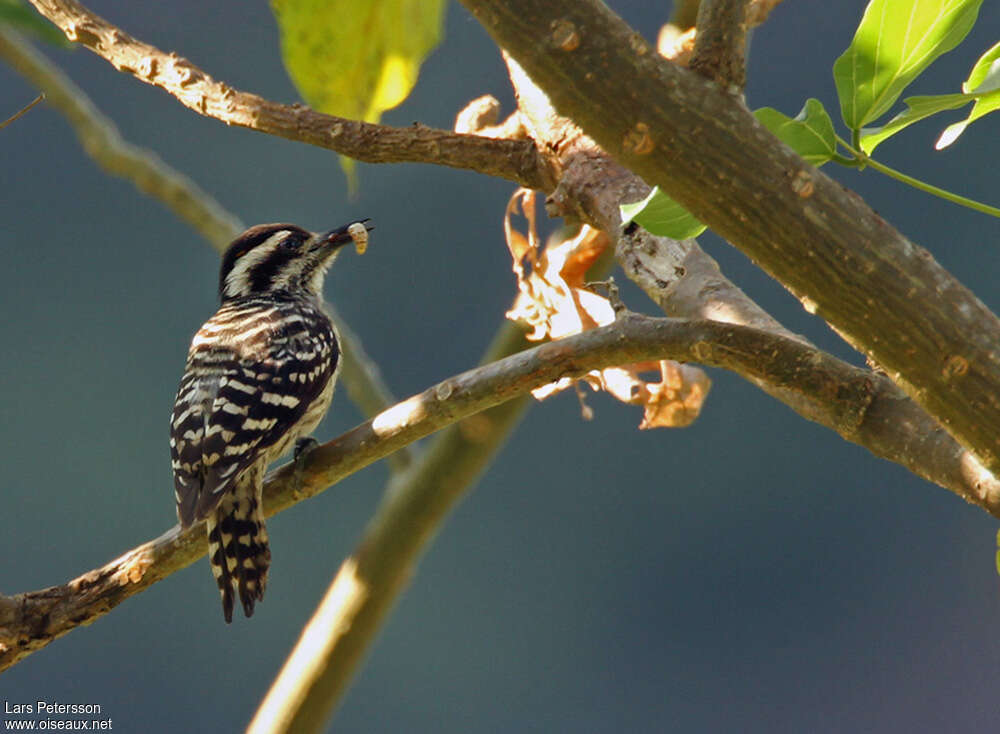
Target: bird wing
235	404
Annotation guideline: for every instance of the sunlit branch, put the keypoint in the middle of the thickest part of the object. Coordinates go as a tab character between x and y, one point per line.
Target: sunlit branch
31	620
515	160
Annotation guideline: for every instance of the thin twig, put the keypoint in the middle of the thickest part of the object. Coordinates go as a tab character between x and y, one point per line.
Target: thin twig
17	115
515	160
31	620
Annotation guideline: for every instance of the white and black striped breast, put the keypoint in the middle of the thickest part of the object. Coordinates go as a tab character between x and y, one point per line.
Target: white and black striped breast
256	373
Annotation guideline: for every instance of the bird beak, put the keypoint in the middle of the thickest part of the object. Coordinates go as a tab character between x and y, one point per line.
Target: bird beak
330	241
333	240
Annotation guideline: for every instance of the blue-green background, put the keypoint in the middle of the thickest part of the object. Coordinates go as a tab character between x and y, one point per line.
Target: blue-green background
751	573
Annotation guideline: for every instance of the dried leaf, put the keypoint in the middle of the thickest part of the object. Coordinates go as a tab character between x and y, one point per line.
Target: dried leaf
554	303
676	401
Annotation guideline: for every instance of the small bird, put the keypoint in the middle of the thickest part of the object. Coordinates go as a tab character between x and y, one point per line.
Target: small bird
259	378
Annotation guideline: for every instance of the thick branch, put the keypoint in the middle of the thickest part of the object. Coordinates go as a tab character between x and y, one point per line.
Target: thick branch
515	160
887	296
32	620
686	282
721	43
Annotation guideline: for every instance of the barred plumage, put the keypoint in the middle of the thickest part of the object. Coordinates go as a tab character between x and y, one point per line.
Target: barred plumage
260	375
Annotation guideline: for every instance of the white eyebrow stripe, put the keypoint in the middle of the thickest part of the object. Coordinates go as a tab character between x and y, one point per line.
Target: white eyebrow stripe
238	278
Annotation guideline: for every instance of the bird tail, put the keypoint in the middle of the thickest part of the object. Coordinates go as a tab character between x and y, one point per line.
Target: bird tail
238	550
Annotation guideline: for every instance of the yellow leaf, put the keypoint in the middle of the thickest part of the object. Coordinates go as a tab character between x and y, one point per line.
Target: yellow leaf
356	58
398	77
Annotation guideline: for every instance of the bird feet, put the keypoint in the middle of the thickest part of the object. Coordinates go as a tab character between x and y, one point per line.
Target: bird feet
300	456
304	447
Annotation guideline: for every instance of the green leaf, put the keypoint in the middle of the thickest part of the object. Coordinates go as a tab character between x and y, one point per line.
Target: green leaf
21	16
917	109
982	87
356	58
984	79
895	42
660	215
810	133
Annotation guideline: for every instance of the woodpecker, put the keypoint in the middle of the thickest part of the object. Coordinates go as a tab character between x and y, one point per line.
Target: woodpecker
259	377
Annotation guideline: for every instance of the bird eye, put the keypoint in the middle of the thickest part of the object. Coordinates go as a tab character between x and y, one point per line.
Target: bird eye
291	243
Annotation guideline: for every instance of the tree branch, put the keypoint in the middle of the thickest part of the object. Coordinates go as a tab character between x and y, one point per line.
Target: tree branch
515	160
885	295
31	620
685	281
720	45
